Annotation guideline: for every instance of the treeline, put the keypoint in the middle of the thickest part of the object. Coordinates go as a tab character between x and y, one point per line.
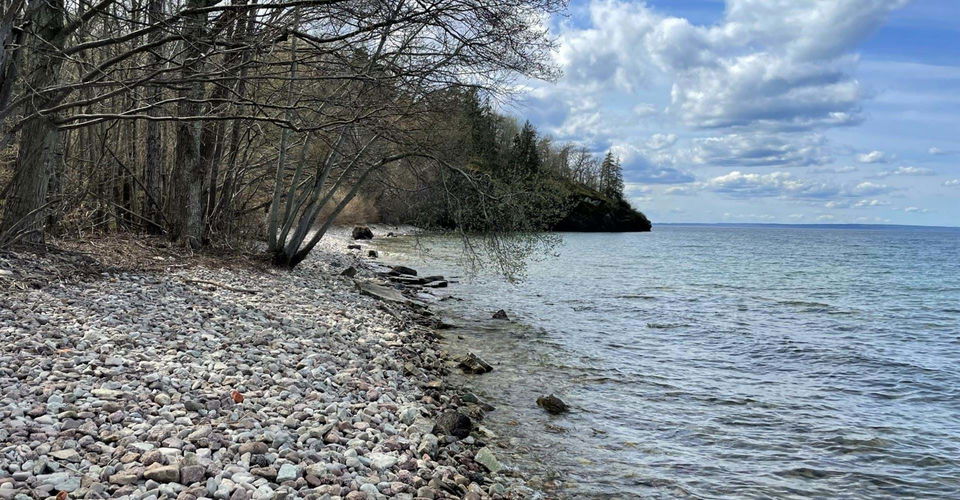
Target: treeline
499	144
535	177
211	121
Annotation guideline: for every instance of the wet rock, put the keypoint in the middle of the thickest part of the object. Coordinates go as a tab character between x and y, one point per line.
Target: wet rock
372	254
354	247
382	293
501	314
471	363
349	272
486	458
362	233
552	404
452	423
404	270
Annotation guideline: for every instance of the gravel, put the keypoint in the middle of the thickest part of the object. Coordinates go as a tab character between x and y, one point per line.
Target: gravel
182	384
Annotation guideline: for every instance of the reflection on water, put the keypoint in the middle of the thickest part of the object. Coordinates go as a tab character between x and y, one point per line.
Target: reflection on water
714	362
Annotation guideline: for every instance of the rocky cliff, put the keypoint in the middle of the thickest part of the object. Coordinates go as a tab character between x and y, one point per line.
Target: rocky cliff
592	212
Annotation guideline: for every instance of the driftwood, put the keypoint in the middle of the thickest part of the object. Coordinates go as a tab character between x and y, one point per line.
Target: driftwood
221	285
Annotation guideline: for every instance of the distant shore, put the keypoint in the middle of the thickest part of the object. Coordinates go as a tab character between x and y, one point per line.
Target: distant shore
200	377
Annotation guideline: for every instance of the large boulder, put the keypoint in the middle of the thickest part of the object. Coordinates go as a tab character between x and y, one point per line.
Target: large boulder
362	233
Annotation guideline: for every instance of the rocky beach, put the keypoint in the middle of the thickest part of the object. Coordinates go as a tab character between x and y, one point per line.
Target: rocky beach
213	380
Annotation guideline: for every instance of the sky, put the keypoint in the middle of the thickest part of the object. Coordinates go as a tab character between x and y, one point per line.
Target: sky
777	111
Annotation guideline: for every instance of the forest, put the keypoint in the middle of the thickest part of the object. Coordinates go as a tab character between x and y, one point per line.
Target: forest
214	122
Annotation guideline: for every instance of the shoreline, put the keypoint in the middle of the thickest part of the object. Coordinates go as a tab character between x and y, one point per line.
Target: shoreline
190	381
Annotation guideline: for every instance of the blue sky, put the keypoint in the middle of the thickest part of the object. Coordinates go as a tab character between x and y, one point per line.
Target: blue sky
794	111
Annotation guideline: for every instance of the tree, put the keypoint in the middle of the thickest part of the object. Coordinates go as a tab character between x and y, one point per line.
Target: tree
524	155
611	177
196	118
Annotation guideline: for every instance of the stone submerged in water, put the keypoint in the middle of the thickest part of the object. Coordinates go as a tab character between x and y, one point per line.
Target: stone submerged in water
552	404
349	272
486	458
372	254
452	423
471	363
362	233
501	314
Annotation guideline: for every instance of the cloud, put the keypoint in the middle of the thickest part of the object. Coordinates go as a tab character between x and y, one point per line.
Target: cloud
759	150
938	152
952	183
834	170
911	210
782	64
870	203
737	184
644	166
865	203
868	188
873	157
777	184
661	141
907	171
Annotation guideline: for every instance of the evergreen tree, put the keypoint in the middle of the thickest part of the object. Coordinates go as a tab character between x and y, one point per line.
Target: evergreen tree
611	177
524	155
481	136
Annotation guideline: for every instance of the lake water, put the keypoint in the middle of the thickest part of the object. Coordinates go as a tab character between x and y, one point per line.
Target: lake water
721	361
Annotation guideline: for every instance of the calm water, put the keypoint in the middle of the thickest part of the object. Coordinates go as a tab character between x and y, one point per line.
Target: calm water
718	362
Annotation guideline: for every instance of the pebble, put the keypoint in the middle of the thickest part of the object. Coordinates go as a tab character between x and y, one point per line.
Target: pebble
147	386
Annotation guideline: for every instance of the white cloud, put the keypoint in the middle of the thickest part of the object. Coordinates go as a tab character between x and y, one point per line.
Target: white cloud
737	184
776	184
767	69
834	170
645	109
868	188
661	141
911	210
870	203
952	183
938	152
907	171
865	203
873	157
758	150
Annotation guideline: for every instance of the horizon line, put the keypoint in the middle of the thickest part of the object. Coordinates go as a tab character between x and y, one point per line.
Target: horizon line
821	224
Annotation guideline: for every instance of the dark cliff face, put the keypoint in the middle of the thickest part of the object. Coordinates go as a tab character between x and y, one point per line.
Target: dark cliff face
594	213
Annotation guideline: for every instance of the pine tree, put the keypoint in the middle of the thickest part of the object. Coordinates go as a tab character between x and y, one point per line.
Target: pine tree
611	177
524	155
480	120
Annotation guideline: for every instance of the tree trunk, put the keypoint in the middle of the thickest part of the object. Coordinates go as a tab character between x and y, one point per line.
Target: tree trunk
186	217
153	160
24	205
